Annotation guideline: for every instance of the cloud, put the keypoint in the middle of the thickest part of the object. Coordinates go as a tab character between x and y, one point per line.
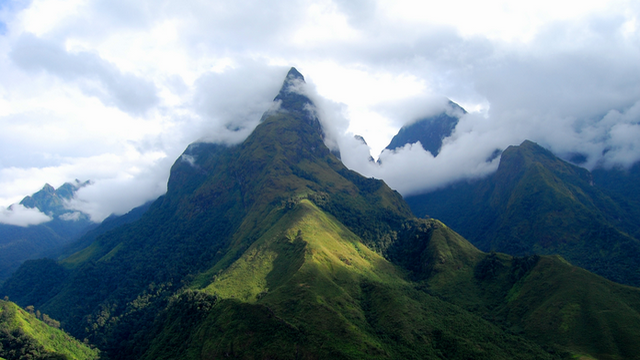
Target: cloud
412	109
572	88
113	91
71	216
126	172
469	153
229	104
610	141
19	215
411	169
119	182
95	76
118	195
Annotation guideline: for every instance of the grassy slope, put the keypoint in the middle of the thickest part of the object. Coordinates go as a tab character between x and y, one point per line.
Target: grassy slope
51	339
546	299
601	319
309	288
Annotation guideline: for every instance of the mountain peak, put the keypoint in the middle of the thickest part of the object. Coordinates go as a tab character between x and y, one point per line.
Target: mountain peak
291	95
429	131
291	84
50	200
525	154
294	74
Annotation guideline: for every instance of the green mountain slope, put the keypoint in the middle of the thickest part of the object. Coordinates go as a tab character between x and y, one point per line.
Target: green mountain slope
273	249
537	203
568	310
23	336
318	292
550	304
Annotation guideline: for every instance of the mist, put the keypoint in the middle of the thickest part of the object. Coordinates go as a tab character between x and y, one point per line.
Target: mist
19	215
114	92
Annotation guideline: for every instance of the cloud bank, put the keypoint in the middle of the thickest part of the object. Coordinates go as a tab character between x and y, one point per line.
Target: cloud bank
115	91
95	76
19	215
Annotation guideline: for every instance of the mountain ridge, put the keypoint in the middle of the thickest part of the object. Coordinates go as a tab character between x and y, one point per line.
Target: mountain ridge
537	203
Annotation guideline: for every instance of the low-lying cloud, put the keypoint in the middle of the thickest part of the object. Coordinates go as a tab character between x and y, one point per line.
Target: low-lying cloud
119	195
470	152
19	215
229	104
114	92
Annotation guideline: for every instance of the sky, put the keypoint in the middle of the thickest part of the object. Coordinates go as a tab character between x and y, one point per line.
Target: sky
113	91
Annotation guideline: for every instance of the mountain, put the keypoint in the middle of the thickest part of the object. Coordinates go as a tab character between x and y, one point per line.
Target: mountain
24	336
51	201
429	131
272	248
22	243
536	203
571	312
108	224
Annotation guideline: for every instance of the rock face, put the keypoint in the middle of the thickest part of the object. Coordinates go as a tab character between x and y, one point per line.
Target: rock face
429	131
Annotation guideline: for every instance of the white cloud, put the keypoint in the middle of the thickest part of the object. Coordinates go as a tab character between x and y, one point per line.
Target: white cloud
95	76
71	216
113	91
19	215
230	104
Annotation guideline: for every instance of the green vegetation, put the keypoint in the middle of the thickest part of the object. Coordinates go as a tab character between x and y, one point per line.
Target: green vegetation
623	186
23	336
273	249
537	203
309	288
567	310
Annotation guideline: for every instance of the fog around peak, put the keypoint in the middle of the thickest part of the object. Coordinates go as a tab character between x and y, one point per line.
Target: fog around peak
115	91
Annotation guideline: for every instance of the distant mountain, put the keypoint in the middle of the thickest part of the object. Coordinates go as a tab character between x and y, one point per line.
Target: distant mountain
21	243
272	248
429	131
51	201
536	203
25	335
